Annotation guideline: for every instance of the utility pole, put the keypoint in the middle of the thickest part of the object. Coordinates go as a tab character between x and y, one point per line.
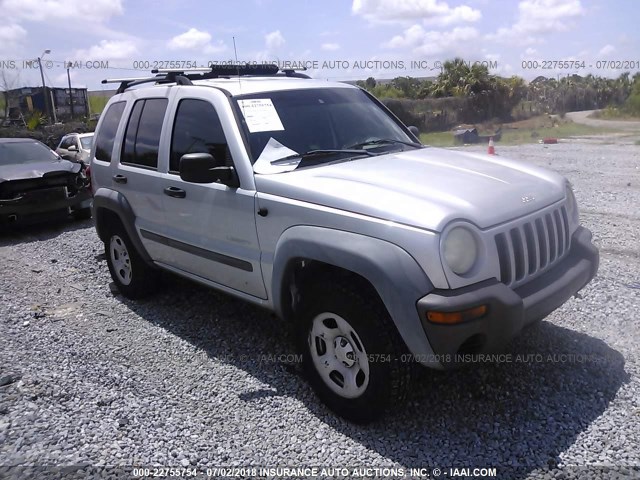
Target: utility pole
70	93
44	86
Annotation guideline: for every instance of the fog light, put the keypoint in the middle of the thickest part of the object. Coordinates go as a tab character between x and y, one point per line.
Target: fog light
450	318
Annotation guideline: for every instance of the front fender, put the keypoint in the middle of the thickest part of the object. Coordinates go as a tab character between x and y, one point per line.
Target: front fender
116	203
395	275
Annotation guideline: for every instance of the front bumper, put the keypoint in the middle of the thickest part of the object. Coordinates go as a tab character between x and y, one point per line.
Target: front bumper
509	311
37	203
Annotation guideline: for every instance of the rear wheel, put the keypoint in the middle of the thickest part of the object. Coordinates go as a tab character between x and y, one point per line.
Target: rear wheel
131	274
352	352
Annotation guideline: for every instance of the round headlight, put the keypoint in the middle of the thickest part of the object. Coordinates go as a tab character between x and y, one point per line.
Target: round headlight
460	250
572	207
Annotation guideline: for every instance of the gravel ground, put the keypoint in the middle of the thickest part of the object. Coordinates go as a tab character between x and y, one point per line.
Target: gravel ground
191	377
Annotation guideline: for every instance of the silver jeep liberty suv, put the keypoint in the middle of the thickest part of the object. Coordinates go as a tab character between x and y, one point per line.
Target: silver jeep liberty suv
313	200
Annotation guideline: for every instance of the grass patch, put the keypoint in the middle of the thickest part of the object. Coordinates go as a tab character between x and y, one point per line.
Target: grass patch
97	103
437	139
518	133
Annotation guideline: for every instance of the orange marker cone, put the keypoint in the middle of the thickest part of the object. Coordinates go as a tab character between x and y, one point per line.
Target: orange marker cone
492	149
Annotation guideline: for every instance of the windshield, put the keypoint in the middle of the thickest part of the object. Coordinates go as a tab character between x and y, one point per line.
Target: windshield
86	142
300	121
12	153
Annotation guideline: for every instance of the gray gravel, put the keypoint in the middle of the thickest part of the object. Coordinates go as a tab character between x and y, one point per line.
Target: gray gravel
191	377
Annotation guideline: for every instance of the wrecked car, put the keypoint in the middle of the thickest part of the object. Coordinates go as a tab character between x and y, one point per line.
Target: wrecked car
36	184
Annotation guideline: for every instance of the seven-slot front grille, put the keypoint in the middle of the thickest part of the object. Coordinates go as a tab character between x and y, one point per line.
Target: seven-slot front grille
532	246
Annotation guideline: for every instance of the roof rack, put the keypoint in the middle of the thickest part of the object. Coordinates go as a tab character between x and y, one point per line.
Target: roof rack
186	76
293	72
162	78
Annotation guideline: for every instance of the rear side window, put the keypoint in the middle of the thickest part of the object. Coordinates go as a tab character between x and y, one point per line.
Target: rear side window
67	142
142	138
197	129
107	134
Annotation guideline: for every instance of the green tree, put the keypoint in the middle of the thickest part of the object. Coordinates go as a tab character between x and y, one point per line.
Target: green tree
407	85
632	104
386	91
426	89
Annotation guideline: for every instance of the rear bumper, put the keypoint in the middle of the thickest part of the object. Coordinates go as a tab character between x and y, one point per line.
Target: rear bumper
509	311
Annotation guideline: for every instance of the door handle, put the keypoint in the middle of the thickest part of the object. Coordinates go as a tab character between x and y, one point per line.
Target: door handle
119	178
175	192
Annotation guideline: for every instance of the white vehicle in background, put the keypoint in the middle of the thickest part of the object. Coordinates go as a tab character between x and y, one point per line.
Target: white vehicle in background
76	147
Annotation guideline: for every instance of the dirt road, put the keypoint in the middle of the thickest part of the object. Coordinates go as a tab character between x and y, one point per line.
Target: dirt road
583	118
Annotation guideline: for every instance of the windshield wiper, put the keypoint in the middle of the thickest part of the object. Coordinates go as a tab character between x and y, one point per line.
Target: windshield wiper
319	153
384	141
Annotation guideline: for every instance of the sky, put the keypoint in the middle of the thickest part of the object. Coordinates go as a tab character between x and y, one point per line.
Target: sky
337	39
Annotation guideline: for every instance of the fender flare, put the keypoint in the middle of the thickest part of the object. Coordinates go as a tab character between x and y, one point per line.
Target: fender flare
394	274
117	203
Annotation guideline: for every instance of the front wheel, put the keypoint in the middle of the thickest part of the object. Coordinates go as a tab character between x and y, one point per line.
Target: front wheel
351	352
134	278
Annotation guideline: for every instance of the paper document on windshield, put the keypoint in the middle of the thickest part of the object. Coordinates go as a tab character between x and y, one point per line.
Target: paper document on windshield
274	150
260	115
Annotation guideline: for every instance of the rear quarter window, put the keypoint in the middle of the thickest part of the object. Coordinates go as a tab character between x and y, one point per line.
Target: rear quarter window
106	135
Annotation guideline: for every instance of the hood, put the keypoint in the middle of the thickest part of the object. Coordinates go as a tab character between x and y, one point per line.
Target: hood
425	188
24	171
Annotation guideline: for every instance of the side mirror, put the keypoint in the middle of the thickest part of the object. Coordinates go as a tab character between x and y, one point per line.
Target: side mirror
72	148
203	168
414	130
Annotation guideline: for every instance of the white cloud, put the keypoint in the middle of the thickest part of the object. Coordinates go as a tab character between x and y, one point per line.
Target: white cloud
77	10
530	52
411	37
435	43
11	36
539	17
330	46
194	39
459	14
274	40
109	50
607	50
455	42
431	12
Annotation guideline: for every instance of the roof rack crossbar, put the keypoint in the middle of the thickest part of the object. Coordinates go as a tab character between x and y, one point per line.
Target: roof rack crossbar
120	80
130	82
181	70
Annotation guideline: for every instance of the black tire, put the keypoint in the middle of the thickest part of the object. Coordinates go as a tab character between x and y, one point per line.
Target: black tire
133	277
82	213
375	335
